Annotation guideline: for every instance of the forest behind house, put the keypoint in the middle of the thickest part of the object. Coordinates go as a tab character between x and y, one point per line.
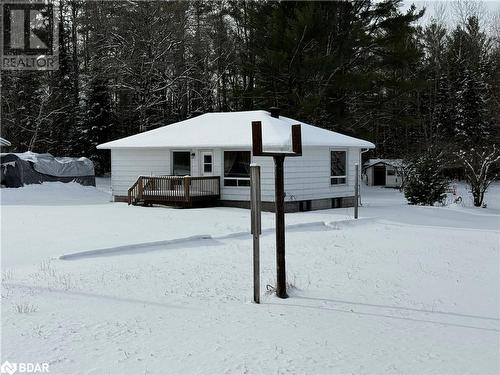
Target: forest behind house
364	68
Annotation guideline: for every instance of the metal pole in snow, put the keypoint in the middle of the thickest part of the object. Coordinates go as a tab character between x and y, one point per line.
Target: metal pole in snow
256	229
356	191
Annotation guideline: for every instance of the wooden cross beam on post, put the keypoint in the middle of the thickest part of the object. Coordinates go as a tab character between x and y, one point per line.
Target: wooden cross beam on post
279	197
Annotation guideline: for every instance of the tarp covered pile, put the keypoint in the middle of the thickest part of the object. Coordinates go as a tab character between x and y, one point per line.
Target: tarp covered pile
30	168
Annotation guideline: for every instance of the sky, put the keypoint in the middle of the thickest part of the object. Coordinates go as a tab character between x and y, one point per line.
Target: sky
449	11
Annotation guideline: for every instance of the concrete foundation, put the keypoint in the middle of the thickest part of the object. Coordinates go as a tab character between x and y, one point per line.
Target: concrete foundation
296	206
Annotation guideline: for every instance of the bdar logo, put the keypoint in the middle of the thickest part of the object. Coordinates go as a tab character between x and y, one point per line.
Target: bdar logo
8	368
24	368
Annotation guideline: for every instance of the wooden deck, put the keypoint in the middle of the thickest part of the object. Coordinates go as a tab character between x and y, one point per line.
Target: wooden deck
174	190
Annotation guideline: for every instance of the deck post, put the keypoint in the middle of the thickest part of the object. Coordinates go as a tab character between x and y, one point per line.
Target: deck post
256	229
140	188
187	183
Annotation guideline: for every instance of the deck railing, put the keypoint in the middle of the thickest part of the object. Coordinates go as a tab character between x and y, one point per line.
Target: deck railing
174	189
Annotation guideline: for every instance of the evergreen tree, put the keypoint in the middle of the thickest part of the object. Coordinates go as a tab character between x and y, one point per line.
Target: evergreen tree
472	122
425	183
97	127
470	63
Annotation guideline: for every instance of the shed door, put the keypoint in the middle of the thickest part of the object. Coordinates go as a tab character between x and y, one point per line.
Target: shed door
379	175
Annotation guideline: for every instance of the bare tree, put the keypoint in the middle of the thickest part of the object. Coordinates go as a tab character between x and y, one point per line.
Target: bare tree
464	9
481	169
403	170
38	123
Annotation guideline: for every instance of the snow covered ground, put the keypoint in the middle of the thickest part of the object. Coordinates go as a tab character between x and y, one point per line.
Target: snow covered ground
164	291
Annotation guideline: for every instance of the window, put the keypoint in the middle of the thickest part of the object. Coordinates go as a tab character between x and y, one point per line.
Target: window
391	172
236	168
338	174
181	165
207	163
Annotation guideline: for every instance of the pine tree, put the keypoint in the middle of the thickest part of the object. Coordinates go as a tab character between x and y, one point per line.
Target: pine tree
425	183
472	122
443	113
470	70
98	125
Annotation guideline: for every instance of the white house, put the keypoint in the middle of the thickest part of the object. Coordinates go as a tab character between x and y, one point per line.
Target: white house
383	172
219	144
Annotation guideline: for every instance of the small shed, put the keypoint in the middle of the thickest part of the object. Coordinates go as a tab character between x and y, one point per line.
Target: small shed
383	172
210	155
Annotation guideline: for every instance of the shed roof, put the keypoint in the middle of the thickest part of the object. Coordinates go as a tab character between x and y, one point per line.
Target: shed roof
233	129
391	162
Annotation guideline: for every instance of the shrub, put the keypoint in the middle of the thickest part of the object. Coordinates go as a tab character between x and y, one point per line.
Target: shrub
425	183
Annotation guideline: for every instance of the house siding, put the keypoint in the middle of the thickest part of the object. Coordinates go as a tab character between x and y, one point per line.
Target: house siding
128	164
306	177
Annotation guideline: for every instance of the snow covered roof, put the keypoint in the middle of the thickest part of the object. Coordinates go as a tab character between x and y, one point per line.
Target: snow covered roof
234	129
392	162
4	142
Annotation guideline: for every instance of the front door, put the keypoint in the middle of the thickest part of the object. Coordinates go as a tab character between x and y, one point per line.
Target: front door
207	163
181	163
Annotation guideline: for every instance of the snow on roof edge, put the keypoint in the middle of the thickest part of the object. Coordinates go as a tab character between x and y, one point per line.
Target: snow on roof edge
391	162
219	129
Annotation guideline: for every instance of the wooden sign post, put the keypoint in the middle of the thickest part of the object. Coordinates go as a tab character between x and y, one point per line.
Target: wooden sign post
279	197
